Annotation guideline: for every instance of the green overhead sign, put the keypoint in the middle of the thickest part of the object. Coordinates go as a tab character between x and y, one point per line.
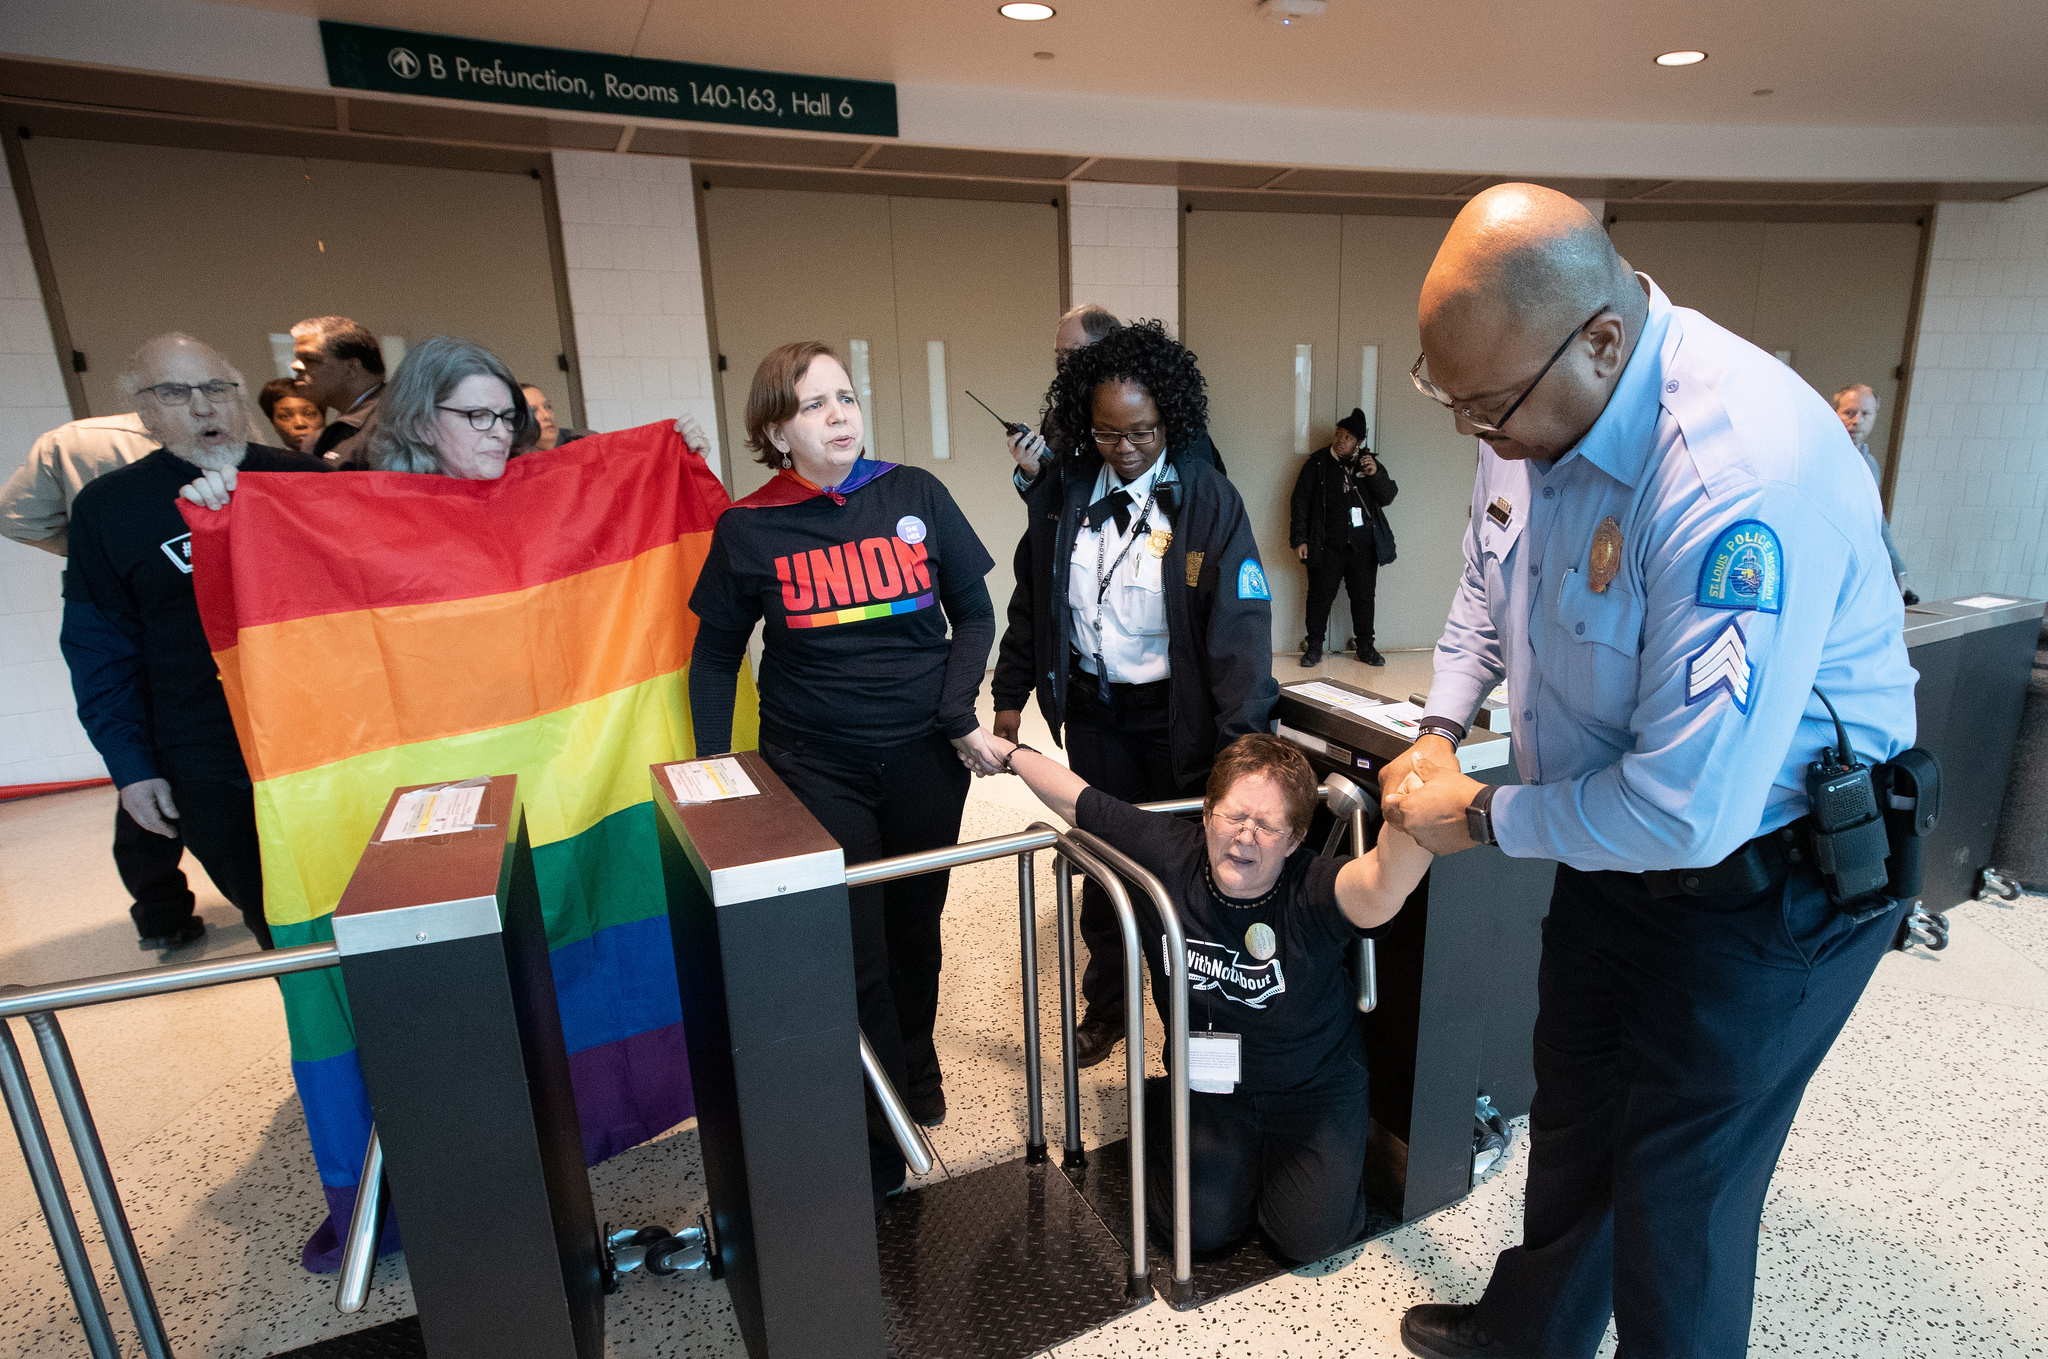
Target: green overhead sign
399	62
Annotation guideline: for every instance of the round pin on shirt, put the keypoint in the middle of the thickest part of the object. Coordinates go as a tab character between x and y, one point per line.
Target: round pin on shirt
1260	941
910	529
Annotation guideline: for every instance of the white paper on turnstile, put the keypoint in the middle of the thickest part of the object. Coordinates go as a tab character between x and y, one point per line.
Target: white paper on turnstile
710	780
433	811
1983	601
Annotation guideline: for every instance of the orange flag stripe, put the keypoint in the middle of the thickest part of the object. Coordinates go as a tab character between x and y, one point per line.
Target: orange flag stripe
343	684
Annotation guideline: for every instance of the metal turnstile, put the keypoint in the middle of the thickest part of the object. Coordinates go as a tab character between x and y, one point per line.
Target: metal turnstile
1457	972
1974	656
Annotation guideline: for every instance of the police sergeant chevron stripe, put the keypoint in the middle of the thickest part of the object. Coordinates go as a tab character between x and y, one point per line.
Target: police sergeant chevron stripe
1721	664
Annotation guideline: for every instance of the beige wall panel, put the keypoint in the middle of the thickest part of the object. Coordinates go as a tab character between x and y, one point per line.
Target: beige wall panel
1712	267
1258	284
1385	259
1838	295
792	265
229	246
984	278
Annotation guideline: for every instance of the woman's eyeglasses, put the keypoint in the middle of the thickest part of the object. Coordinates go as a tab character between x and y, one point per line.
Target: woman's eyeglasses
482	418
1110	438
1264	834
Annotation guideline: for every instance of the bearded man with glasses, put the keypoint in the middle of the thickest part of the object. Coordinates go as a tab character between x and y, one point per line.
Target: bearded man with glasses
1676	563
148	692
1141	614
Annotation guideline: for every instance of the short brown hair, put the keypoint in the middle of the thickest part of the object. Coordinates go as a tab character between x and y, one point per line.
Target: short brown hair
772	400
1279	761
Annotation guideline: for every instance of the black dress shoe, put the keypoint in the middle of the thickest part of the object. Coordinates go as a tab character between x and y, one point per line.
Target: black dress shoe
1371	655
928	1108
1312	656
192	929
1096	1039
1438	1330
1911	599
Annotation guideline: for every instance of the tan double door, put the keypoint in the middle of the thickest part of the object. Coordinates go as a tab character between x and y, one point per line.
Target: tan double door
1281	302
895	277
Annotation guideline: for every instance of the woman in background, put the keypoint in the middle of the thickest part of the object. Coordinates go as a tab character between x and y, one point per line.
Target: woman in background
290	411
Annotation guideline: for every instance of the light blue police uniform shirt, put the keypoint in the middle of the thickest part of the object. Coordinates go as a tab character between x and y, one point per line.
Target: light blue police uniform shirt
1661	723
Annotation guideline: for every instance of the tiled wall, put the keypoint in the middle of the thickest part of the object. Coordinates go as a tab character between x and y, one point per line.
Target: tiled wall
40	739
1126	249
629	232
1970	512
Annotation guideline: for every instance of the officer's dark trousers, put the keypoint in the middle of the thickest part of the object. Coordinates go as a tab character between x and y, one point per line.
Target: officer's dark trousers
1123	750
217	821
1674	1039
148	864
1353	562
877	803
1289	1166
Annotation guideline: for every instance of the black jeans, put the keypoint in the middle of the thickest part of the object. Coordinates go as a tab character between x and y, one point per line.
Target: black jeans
218	823
1291	1166
1351	561
877	803
1124	751
148	864
1674	1040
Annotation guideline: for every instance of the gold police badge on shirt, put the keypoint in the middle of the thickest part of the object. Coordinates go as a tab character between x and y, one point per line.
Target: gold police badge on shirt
1156	543
1605	558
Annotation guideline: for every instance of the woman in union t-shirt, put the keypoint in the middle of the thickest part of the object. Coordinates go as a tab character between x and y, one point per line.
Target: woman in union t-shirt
1276	1132
858	568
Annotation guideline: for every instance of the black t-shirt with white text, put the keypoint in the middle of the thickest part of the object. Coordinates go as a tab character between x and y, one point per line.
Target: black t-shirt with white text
1273	973
855	647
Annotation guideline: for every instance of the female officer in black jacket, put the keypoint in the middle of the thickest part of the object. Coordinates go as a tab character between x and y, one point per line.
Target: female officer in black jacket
1338	525
1141	615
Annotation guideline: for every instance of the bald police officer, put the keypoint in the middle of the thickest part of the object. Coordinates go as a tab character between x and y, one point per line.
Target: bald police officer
1669	550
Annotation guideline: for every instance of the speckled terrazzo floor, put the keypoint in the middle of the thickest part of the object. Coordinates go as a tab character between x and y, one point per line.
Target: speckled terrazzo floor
1905	1219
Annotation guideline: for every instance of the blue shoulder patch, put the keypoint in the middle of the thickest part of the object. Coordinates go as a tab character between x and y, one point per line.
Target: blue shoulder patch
1251	580
1746	569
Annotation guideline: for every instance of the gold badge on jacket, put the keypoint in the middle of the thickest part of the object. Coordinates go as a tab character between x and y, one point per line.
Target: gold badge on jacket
1194	560
1156	543
1605	558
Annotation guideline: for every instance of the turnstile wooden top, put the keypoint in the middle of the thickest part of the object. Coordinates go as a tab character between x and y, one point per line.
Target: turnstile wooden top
739	832
455	866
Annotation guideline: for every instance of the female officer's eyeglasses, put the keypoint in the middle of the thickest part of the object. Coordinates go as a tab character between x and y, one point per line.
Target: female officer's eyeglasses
1235	826
1479	426
481	419
1110	438
180	393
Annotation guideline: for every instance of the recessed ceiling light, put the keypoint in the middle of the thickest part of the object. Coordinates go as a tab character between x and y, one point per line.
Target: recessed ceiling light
1681	58
1028	13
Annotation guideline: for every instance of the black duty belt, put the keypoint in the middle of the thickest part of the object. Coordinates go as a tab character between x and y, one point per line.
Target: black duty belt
1761	863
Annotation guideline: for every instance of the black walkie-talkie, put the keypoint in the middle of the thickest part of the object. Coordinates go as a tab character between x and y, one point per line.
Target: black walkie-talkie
1849	842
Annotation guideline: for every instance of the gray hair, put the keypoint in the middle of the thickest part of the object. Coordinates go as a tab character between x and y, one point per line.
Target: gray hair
1850	390
128	382
401	435
1096	320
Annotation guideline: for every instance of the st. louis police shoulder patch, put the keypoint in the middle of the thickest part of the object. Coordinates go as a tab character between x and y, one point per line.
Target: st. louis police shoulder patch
1721	664
1746	569
1251	580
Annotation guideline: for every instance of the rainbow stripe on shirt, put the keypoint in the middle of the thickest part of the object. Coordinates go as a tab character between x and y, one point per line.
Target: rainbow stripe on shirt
834	619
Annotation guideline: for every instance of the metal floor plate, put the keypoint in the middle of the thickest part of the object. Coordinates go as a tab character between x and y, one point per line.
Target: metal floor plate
1003	1263
1106	1183
399	1339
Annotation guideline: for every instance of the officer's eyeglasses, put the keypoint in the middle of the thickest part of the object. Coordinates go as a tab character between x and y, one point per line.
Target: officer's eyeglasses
180	393
481	419
1479	426
1236	826
1110	438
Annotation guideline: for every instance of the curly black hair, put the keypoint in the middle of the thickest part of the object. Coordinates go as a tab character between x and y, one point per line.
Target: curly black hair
1140	352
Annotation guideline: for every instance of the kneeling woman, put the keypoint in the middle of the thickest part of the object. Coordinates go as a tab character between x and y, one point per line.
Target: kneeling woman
1267	924
858	567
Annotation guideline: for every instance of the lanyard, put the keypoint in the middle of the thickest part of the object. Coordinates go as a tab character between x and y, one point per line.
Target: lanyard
1139	525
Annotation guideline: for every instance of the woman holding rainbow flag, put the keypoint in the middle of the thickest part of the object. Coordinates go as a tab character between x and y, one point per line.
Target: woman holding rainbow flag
859	569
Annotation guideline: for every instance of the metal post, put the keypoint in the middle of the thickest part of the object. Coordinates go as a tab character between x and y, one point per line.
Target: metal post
99	1183
909	1137
42	1171
1034	1079
1368	959
365	1227
1070	1069
1182	1288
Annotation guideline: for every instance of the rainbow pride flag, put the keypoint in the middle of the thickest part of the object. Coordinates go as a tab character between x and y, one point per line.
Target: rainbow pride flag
375	629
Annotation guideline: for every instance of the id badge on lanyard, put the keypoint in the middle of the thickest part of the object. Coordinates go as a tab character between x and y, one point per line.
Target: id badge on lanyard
1215	1062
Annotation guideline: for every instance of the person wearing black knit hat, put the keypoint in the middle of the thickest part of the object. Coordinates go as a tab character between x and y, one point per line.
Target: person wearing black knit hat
1339	527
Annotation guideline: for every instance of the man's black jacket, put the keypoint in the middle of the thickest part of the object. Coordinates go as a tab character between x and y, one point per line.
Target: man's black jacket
1321	508
1218	612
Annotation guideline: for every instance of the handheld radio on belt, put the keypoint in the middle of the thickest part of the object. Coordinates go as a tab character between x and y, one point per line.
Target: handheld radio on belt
1866	824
